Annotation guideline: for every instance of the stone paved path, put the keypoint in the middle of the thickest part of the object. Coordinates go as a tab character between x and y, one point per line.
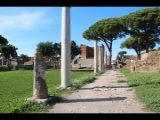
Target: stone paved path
104	95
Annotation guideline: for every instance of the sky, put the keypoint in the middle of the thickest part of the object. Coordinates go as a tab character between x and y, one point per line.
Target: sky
25	27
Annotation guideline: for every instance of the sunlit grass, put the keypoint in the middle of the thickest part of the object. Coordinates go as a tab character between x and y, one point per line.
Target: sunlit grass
16	86
147	86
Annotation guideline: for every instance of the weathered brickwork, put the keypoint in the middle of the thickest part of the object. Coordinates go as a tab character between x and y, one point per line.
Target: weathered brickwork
87	52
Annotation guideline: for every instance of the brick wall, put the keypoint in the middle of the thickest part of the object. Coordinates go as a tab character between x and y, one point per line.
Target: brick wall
87	52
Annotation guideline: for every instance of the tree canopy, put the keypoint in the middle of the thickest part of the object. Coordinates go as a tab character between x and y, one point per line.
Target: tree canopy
53	50
120	55
3	41
46	49
144	24
106	30
137	44
24	57
75	49
8	51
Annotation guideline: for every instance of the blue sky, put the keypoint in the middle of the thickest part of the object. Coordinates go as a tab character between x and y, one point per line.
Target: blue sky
25	27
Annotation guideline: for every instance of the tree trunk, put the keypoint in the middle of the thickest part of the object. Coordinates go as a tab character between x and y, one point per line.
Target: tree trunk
139	56
139	53
110	51
147	45
109	47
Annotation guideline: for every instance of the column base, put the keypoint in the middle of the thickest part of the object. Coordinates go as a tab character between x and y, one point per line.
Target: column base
62	87
45	101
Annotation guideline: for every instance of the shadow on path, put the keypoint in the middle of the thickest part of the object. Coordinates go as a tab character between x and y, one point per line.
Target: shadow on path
95	99
105	87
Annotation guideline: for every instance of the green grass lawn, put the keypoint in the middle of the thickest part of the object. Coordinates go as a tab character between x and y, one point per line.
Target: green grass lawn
147	86
17	86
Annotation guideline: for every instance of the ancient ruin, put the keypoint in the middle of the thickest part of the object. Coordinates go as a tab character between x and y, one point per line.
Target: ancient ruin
150	62
86	58
40	90
65	48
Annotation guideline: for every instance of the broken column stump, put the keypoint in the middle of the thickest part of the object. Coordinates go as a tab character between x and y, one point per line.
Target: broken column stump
40	90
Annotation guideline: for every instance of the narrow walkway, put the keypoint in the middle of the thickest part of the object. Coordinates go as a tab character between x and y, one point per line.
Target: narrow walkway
104	95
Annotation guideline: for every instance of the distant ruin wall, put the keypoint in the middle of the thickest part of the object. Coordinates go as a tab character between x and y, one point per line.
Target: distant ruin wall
87	52
150	62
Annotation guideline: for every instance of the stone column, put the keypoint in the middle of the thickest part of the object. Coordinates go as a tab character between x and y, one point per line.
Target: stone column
100	58
95	57
105	59
40	90
102	54
65	48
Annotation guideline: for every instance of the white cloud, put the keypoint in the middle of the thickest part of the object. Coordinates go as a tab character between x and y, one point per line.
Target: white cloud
23	20
24	27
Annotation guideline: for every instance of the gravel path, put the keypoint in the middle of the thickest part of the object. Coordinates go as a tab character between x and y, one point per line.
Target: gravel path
104	95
